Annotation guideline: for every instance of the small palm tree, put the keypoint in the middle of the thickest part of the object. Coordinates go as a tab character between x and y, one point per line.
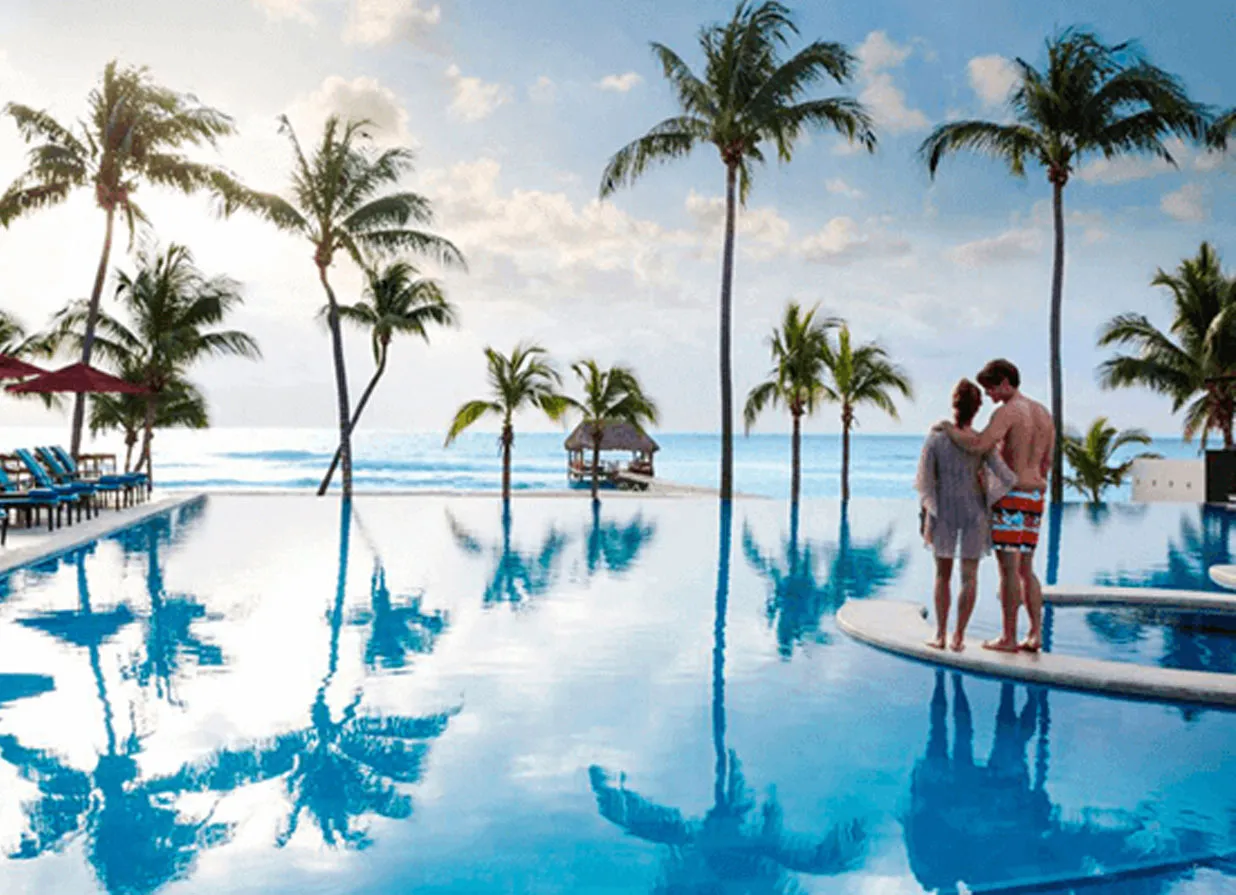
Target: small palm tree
180	406
748	100
1091	457
1091	99
862	375
399	304
132	134
610	396
344	198
795	379
524	379
1194	361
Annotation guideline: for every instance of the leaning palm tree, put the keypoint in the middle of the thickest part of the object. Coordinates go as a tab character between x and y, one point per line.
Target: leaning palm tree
1091	99
748	100
610	396
132	134
1091	457
344	198
1193	362
795	379
862	375
526	378
173	312
399	303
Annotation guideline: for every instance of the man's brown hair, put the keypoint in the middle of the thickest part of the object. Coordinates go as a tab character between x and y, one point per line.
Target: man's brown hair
967	399
998	371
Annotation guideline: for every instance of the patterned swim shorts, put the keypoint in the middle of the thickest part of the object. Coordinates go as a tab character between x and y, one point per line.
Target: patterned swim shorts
1015	521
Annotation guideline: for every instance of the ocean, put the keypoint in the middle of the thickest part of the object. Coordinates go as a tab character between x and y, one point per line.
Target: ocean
882	466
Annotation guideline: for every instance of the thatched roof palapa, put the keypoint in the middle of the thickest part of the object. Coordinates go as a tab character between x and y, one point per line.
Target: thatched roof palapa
615	436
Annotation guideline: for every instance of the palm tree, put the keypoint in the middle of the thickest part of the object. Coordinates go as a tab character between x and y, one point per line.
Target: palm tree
610	396
524	379
1195	360
749	99
862	375
795	379
344	198
132	134
399	304
1091	458
1091	99
180	406
172	309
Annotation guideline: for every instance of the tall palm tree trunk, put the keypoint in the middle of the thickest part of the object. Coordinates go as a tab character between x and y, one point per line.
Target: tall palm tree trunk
845	452
796	457
341	383
1057	383
727	278
130	439
508	436
148	438
92	317
360	408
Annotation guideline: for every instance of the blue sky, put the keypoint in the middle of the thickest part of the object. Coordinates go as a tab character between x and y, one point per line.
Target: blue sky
514	109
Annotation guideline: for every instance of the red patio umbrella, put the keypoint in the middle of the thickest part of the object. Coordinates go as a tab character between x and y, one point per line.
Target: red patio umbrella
77	378
16	368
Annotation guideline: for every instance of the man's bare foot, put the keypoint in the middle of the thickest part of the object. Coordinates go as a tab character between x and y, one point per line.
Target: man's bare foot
1030	645
936	642
1001	645
958	643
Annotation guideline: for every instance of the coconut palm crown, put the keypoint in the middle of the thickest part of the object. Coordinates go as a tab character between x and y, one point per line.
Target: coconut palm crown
796	379
132	135
1091	455
398	303
1193	362
1090	99
748	100
526	378
610	396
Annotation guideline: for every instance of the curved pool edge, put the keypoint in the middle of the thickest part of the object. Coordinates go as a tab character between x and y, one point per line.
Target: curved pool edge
1102	595
902	628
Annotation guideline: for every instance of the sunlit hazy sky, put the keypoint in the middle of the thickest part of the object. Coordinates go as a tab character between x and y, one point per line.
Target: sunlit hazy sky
514	108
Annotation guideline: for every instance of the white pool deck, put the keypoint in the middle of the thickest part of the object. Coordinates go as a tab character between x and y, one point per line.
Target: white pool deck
903	628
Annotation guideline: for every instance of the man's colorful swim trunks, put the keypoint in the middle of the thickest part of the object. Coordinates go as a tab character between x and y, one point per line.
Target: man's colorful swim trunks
1015	521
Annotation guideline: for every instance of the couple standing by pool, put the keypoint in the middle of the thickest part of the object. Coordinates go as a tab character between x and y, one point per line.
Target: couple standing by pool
982	490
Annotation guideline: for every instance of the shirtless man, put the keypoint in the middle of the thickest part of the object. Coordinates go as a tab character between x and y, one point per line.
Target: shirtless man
1023	431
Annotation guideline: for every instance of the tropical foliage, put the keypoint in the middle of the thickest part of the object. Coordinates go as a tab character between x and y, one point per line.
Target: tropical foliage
345	197
1092	458
857	376
610	396
399	303
796	379
1090	99
133	134
1193	362
748	100
524	379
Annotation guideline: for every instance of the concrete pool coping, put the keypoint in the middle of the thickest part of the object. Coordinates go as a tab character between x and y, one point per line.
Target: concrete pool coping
1100	595
26	546
903	628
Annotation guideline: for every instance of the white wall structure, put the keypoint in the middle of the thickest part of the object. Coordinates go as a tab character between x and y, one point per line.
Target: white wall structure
1169	481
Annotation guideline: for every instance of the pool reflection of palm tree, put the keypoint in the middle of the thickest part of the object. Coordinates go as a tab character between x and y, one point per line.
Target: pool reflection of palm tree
135	841
979	827
517	576
810	580
339	768
736	843
616	546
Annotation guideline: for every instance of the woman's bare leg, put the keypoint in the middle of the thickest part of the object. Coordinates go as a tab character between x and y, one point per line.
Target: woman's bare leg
944	573
965	601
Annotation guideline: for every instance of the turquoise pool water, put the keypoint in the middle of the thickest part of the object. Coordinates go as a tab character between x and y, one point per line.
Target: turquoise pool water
424	695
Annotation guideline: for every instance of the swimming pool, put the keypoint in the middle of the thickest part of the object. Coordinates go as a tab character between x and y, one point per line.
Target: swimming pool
258	694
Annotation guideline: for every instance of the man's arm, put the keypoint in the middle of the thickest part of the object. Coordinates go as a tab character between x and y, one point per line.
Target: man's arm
986	441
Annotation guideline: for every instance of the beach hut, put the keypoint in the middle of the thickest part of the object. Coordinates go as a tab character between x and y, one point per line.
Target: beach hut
615	436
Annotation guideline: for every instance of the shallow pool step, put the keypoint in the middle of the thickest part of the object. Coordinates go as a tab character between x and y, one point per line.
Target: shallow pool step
903	628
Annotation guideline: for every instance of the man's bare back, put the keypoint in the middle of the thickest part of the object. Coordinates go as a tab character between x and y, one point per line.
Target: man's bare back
1028	437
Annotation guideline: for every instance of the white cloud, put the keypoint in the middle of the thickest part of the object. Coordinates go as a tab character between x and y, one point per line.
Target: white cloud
1016	244
287	9
992	78
842	241
623	83
1186	204
543	90
1122	169
839	187
377	22
879	93
472	98
359	98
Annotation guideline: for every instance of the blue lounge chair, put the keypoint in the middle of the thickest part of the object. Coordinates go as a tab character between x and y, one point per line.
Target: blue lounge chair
76	495
134	483
30	502
63	477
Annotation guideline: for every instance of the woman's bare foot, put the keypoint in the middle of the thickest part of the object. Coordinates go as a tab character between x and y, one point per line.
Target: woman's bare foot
936	642
958	643
1001	645
1030	645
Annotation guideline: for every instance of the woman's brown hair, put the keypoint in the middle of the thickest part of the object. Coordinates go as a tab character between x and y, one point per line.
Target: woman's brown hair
967	399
